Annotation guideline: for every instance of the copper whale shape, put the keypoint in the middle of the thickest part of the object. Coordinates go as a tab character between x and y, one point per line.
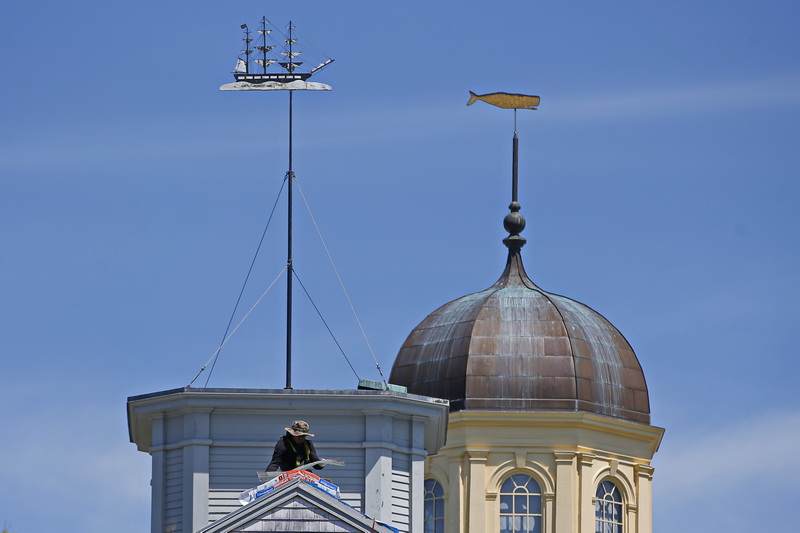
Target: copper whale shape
506	100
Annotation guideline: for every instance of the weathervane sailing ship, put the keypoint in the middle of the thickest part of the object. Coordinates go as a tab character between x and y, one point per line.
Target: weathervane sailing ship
292	78
259	68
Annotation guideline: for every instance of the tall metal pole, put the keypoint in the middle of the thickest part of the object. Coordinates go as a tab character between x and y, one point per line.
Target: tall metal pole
289	267
280	85
515	163
515	166
514	222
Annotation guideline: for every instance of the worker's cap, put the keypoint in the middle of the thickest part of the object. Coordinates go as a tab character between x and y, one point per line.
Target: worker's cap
299	427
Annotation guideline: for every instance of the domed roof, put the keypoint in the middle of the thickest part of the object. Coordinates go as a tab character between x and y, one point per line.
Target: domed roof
515	347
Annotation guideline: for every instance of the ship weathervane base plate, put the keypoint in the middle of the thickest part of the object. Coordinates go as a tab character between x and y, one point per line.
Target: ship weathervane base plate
296	85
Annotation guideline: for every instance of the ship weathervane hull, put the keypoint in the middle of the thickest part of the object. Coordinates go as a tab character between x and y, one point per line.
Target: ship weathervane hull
280	77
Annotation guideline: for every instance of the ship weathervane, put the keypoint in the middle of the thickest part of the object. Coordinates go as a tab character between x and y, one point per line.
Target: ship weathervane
257	74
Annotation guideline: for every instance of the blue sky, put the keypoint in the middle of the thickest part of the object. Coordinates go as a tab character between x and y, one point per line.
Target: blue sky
658	179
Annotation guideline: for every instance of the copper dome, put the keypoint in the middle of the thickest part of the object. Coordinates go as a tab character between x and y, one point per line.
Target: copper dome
515	347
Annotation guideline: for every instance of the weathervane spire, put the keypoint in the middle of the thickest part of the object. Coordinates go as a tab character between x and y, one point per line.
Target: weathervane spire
514	222
291	79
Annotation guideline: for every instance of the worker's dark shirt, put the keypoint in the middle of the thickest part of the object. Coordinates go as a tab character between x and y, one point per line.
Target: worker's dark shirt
288	454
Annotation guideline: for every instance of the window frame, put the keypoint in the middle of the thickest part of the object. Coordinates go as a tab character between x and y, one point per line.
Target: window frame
531	512
436	520
603	519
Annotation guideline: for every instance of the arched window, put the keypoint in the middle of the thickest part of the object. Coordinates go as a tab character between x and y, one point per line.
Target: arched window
520	505
608	508
434	507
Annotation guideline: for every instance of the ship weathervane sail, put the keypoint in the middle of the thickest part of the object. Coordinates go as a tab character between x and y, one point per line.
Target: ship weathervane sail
244	72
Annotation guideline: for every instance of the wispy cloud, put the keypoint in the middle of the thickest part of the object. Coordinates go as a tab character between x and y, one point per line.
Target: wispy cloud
76	460
721	478
732	456
778	91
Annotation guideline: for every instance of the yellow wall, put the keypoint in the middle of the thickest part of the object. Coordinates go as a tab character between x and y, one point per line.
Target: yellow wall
568	454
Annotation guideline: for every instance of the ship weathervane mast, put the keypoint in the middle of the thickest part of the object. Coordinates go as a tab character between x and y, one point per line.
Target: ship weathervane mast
264	47
292	79
247	51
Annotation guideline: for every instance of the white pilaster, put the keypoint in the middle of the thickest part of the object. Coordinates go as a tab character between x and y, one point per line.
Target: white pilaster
585	479
476	509
196	425
158	479
644	488
566	493
417	474
378	466
454	519
548	505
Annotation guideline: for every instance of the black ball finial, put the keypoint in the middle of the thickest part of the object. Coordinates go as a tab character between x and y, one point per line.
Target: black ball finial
514	223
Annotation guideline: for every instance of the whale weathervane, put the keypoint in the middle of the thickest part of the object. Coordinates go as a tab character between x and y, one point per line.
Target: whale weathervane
506	100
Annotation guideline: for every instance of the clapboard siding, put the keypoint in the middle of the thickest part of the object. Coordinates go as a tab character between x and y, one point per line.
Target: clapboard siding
173	489
401	487
222	502
349	478
235	467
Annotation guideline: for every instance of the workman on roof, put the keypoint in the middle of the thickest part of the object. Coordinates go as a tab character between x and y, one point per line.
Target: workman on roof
294	450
